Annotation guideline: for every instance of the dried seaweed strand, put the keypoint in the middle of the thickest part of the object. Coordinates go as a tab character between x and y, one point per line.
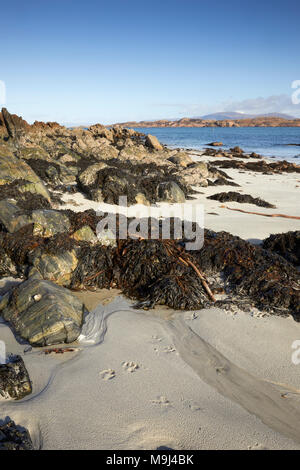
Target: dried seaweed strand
260	213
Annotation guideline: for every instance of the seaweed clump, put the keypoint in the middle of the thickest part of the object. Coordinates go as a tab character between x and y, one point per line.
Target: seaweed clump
25	199
260	166
286	245
270	282
241	198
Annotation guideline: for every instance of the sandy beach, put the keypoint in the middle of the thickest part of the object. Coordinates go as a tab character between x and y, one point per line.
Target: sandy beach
207	379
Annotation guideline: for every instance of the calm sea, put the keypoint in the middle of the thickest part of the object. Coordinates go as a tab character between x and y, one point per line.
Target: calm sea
268	141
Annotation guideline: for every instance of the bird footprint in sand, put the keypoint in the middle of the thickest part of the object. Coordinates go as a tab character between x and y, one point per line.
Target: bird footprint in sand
156	338
193	406
130	366
107	374
161	401
169	349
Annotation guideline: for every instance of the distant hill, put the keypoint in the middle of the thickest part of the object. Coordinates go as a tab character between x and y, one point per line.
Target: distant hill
268	120
235	115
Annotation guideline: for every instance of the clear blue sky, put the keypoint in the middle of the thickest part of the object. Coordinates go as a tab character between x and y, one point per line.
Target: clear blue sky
107	61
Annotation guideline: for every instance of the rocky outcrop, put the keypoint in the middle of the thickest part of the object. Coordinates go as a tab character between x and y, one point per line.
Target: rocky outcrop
46	222
15	125
13	437
14	380
153	143
43	313
12	169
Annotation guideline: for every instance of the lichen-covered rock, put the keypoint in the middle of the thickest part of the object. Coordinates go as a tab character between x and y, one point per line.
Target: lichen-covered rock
7	267
85	234
43	313
170	192
181	159
153	142
89	175
195	174
49	222
141	199
57	268
14	437
14	380
12	217
12	168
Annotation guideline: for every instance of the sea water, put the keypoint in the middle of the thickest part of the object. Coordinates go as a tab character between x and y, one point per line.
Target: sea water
267	141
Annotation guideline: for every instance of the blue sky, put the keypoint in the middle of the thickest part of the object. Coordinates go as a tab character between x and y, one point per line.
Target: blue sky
99	61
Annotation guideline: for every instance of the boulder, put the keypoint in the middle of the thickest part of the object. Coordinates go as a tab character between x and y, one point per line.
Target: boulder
49	222
14	437
43	313
169	191
57	268
216	144
181	159
12	169
14	379
153	143
89	175
141	199
7	267
12	217
196	174
85	234
202	169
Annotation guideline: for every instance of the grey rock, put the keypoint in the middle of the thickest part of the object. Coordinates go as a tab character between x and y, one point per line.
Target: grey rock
170	192
49	222
12	169
14	379
56	318
14	437
11	216
57	268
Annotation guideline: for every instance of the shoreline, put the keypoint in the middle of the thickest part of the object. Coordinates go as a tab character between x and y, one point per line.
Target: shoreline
207	378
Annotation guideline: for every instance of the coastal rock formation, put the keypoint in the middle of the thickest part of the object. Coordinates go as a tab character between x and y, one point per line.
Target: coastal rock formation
13	437
13	169
15	125
14	380
152	142
43	313
46	245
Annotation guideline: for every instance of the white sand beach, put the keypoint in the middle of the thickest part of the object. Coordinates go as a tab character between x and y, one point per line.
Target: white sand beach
205	379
